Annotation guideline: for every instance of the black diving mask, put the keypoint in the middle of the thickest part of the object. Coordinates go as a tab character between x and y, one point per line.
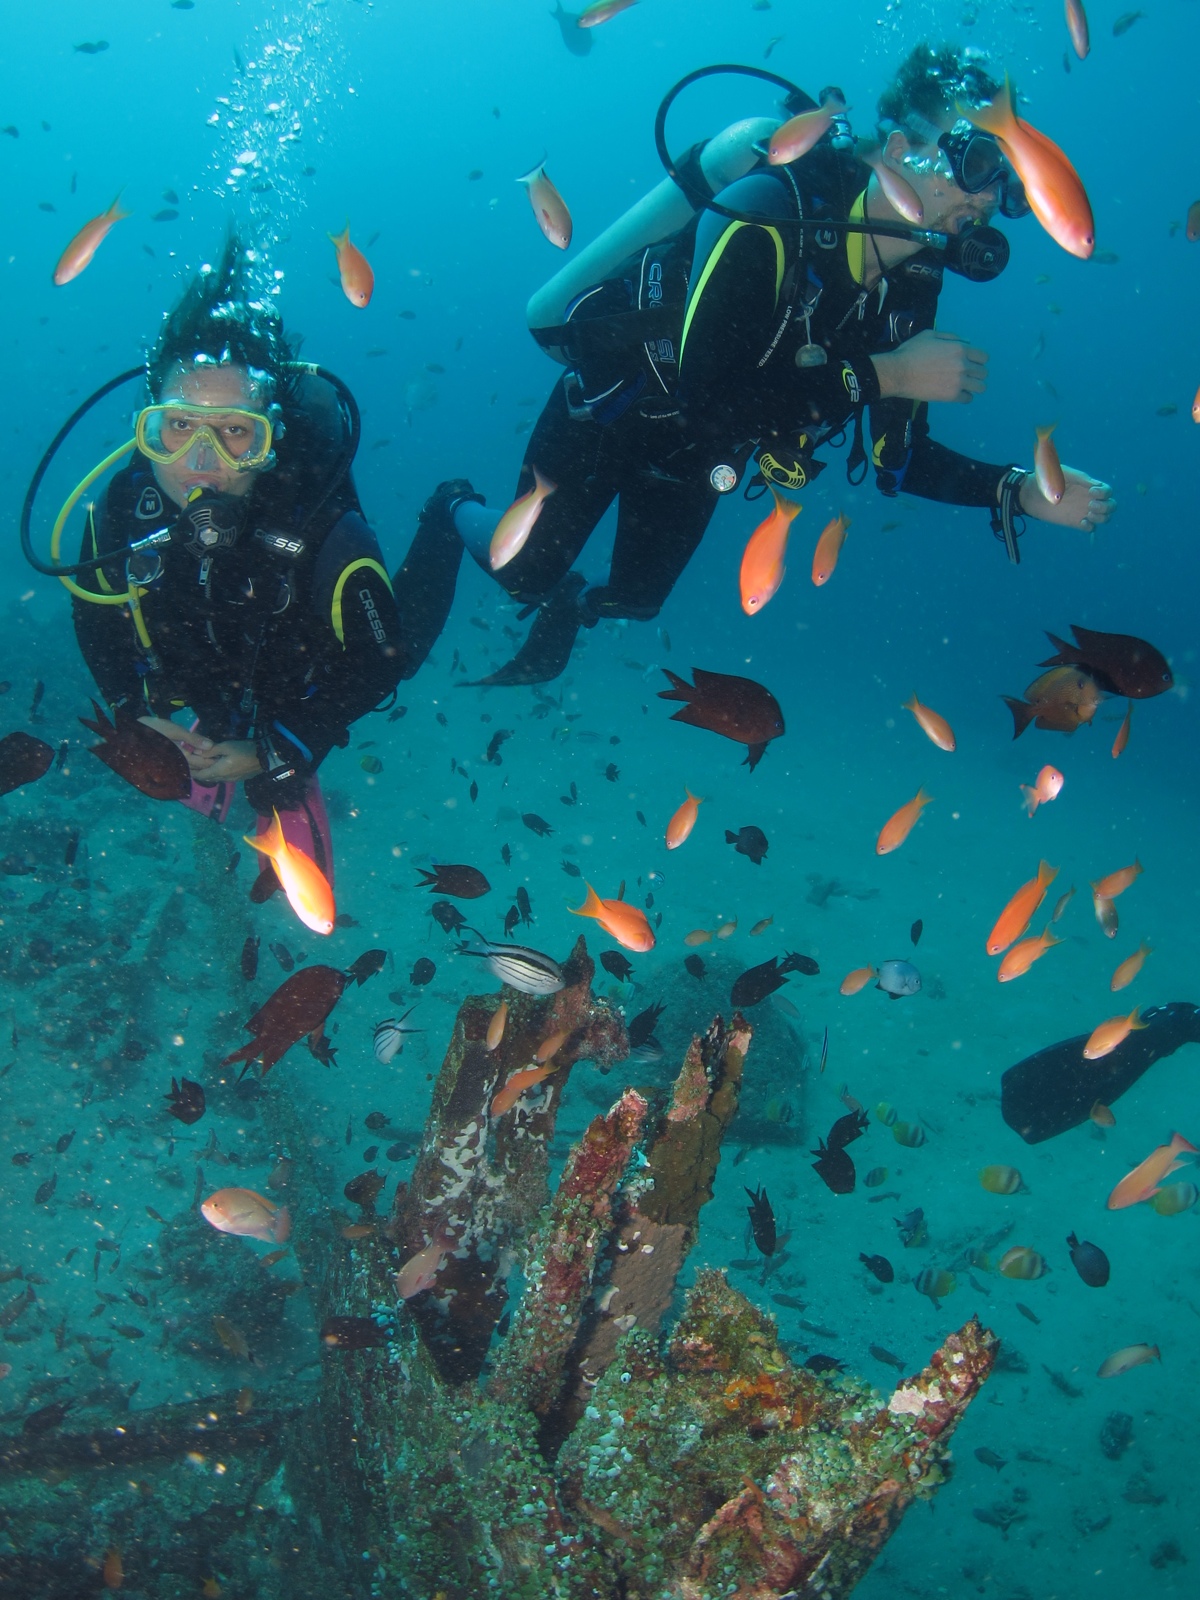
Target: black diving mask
977	162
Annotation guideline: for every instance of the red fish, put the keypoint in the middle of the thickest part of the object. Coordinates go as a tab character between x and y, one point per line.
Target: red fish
762	568
248	1215
1047	468
1052	186
515	526
1122	739
797	136
736	708
829	548
900	824
78	254
1143	1181
1046	787
1020	910
626	923
142	756
358	281
684	820
549	208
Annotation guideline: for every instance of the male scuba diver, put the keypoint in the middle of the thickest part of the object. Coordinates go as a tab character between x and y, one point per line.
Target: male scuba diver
700	339
245	584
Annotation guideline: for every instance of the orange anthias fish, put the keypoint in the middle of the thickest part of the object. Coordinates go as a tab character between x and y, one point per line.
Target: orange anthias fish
798	135
1052	186
1142	1182
931	724
856	980
420	1271
358	281
601	11
248	1215
1047	468
1103	1040
1061	700
1046	786
1022	955
1077	27
1108	888
301	879
1125	1359
86	242
549	207
626	923
516	524
1122	738
1020	910
1129	968
829	548
762	567
515	1086
684	820
1196	407
897	190
900	824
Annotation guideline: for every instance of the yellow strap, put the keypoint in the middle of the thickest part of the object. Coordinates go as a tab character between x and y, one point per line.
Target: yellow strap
60	523
856	243
335	610
710	266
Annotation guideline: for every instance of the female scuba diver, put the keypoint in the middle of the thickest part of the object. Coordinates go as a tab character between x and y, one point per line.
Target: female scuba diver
249	589
698	339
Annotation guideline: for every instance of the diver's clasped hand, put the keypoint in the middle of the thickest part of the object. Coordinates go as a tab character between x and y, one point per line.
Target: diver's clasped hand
932	366
227	762
1087	503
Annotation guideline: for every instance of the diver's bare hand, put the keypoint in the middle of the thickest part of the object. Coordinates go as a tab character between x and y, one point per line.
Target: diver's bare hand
231	761
195	747
1088	503
932	366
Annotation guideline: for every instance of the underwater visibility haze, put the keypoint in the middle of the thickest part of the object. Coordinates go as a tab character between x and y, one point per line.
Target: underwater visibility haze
597	947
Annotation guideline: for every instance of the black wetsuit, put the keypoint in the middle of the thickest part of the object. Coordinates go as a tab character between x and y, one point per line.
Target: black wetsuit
285	637
654	432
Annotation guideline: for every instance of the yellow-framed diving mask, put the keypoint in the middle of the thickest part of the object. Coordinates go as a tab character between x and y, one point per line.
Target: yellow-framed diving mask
240	438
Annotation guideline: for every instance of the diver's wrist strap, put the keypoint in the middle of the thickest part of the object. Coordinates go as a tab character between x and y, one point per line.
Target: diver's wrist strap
1008	521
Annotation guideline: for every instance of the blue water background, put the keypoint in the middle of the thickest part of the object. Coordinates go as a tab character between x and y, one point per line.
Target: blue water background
402	111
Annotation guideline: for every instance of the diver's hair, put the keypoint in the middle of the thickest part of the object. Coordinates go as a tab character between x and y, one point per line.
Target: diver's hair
224	318
929	82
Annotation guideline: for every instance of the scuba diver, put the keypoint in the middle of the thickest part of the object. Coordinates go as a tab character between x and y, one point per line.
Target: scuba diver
744	311
227	567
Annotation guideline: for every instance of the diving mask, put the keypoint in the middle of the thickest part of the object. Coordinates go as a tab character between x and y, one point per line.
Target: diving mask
976	162
240	438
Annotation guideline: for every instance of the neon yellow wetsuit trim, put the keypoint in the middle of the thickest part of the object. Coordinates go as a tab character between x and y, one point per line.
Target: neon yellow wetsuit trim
335	610
856	243
711	264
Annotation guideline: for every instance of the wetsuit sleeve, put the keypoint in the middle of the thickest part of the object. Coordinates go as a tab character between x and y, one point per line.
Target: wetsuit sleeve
104	632
906	458
357	645
737	308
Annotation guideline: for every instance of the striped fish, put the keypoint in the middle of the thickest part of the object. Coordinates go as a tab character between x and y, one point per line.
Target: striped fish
526	970
390	1035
